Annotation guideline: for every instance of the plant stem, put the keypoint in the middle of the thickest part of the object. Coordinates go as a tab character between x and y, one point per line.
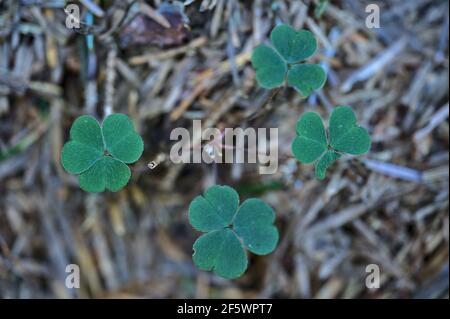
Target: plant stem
264	106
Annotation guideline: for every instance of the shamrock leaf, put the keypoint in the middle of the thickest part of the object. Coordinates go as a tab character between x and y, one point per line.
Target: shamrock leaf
274	66
345	135
312	146
99	154
230	230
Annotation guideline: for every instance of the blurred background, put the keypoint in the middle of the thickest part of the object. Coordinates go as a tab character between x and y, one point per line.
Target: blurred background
167	63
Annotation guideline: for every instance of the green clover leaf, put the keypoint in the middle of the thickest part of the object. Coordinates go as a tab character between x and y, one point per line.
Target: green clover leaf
99	154
294	46
274	66
230	230
312	146
311	140
306	78
325	161
270	67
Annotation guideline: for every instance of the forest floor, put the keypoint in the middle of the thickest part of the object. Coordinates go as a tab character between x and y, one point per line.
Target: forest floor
166	65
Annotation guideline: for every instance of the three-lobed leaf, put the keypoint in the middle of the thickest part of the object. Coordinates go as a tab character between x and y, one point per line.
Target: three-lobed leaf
230	230
306	78
276	65
345	136
253	223
325	161
221	251
294	46
215	209
99	154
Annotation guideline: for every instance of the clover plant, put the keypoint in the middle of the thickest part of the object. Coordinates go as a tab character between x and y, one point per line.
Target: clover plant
99	155
345	136
275	66
229	230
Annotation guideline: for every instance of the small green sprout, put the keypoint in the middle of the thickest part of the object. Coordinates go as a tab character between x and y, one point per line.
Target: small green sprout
273	67
99	154
229	230
345	136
